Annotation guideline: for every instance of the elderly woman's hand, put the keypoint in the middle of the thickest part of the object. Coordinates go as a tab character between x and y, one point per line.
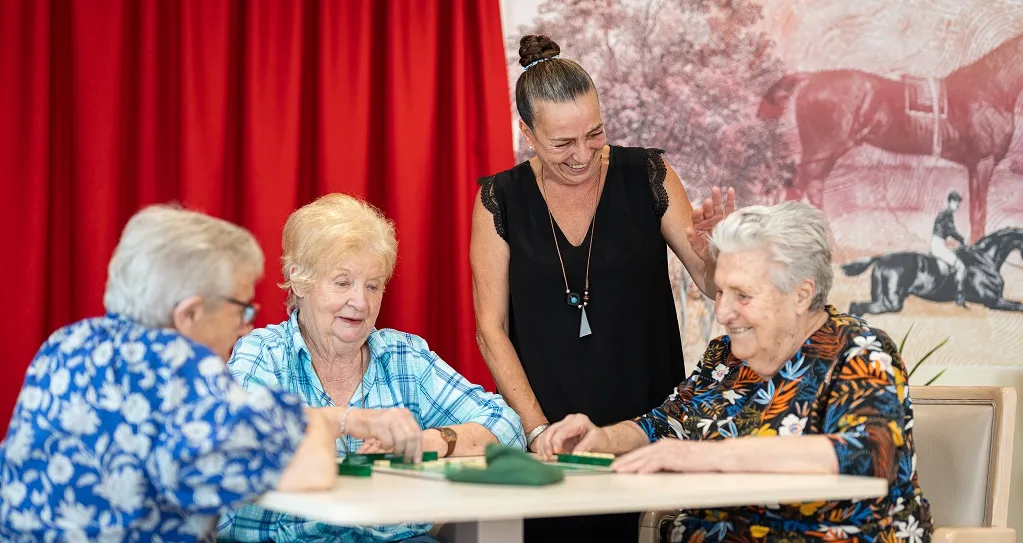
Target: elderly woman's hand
372	446
666	455
706	217
574	434
389	430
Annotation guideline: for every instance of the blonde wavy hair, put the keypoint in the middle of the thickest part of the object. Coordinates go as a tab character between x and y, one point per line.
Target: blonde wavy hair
320	234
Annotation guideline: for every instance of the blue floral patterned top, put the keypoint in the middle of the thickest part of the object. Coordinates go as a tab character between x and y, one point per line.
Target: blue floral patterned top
848	383
128	433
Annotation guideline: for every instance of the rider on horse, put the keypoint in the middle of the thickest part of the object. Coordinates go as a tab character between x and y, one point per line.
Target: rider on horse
945	228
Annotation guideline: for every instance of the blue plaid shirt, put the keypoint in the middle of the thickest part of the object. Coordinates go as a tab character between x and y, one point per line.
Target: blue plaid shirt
403	372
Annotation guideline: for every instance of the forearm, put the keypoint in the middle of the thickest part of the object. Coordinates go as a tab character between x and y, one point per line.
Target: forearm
314	464
335	420
510	378
701	271
803	454
624	437
473	439
706	281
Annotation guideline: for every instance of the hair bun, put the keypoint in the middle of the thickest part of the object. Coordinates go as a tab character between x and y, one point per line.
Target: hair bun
533	48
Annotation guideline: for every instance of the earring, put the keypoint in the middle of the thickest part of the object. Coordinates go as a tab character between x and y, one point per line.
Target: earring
530	147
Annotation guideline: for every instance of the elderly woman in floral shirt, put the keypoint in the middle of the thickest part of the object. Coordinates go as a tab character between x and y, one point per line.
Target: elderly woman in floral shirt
794	387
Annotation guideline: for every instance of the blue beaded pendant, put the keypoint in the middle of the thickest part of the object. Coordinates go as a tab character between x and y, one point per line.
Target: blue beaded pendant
573	299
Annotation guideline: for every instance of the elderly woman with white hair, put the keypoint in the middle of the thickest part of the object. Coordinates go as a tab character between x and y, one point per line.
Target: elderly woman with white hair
794	387
338	255
129	426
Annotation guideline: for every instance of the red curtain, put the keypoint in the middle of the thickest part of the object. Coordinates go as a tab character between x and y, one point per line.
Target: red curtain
245	110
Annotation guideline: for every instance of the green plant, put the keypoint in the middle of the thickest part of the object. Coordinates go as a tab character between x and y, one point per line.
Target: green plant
922	359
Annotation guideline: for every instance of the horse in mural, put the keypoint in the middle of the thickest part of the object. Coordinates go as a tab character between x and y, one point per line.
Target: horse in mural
897	276
966	117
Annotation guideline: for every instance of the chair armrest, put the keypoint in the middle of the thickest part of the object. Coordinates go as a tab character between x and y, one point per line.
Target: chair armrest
652	519
650	524
974	535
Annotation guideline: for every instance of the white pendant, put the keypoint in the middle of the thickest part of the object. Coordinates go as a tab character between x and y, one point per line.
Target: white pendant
584	325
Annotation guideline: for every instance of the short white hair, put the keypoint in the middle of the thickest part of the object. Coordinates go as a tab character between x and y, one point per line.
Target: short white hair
794	234
167	254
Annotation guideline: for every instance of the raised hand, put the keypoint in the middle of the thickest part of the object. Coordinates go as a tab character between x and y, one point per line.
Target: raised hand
706	217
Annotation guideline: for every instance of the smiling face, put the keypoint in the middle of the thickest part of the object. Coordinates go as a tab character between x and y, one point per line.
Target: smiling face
568	138
340	309
764	323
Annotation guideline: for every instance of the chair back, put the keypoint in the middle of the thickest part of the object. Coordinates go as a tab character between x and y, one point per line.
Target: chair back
963	438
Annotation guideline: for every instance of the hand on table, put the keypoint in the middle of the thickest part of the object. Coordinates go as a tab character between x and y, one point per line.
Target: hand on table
373	446
431	442
665	455
387	430
575	434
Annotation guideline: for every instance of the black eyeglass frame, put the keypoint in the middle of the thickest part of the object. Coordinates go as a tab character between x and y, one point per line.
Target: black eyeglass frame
249	309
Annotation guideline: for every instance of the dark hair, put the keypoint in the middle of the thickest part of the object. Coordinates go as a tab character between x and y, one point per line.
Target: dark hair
954	197
548	79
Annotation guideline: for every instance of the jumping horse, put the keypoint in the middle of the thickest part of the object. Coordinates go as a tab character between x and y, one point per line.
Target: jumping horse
897	276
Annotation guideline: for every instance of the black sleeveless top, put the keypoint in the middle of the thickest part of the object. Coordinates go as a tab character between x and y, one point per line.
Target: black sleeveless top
633	359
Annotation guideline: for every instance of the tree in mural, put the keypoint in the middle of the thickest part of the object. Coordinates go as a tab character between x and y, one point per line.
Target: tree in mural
683	75
686	76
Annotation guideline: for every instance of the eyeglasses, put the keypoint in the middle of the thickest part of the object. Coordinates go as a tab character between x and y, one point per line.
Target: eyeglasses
249	309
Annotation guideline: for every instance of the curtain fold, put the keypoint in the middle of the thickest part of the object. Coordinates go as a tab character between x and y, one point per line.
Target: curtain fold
245	110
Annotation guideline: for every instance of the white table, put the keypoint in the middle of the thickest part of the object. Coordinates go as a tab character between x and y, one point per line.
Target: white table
494	513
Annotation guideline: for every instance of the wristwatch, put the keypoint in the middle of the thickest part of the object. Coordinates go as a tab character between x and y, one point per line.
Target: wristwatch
450	437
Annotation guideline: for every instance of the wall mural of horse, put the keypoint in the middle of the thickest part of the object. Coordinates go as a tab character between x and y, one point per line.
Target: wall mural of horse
967	117
896	276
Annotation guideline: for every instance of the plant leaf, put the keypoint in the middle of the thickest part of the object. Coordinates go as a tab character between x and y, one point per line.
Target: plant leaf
935	378
926	356
904	338
930	352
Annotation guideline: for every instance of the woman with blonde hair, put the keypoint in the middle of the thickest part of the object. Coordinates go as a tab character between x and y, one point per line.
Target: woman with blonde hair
339	253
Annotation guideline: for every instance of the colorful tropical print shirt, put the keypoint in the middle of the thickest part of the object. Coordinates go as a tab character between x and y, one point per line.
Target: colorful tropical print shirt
848	383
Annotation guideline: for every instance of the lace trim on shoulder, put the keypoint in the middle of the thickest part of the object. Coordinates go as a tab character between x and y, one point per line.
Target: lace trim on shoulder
489	197
657	172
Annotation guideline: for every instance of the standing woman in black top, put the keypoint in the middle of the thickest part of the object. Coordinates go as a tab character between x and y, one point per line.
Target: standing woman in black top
574	309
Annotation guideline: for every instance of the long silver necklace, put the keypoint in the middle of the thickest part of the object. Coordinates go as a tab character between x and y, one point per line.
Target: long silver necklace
573	298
